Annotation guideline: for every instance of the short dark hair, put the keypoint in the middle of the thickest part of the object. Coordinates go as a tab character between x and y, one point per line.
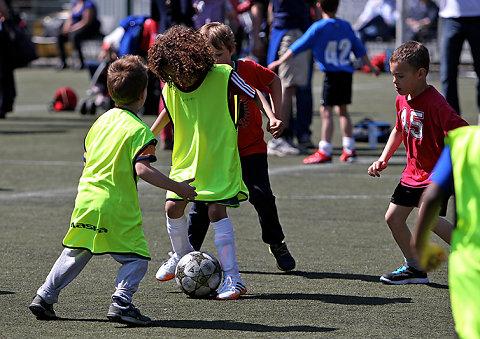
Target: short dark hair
127	78
329	6
413	53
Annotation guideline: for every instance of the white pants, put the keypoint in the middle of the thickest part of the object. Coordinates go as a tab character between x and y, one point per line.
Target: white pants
72	261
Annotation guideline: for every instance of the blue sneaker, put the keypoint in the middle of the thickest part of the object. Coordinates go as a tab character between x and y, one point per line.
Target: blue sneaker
405	275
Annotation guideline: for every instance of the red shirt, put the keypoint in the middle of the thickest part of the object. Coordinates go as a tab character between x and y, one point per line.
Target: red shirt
250	130
424	122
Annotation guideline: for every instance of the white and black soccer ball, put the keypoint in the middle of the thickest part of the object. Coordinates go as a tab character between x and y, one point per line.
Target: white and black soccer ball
198	274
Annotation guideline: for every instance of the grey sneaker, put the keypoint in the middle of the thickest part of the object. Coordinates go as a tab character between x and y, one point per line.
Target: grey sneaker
285	261
281	147
129	316
42	309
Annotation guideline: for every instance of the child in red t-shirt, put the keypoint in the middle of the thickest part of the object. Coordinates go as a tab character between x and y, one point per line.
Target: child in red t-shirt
251	146
423	120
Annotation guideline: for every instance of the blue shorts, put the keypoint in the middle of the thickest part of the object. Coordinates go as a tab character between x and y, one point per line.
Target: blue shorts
337	88
410	197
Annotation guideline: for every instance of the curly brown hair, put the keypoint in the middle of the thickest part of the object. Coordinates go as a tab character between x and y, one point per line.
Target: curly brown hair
180	56
127	78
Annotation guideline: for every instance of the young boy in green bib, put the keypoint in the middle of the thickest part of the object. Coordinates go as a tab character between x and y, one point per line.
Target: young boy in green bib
200	101
119	148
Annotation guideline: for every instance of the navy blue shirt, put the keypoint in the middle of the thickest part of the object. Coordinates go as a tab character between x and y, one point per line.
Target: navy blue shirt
290	14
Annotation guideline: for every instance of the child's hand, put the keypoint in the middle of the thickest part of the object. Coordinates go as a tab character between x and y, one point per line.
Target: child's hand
375	168
186	191
432	257
274	65
376	70
275	127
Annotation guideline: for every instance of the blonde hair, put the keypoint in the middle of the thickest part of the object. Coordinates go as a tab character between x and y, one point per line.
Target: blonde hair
218	35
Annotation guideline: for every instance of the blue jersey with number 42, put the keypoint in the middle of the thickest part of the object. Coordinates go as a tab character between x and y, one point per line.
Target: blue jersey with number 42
331	41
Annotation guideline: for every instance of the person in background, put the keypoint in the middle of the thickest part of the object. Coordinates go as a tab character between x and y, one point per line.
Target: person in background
7	80
290	19
82	24
461	21
377	21
331	40
422	19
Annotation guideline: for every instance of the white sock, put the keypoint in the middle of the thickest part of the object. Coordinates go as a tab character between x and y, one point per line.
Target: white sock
178	232
225	243
348	144
326	147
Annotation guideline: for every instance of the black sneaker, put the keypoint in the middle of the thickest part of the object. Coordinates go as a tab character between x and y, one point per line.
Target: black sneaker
42	309
285	261
405	275
130	315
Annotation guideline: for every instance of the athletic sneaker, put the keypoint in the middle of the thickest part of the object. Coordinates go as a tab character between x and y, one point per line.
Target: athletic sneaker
281	147
317	158
405	275
285	261
305	142
130	315
348	156
167	270
231	288
42	309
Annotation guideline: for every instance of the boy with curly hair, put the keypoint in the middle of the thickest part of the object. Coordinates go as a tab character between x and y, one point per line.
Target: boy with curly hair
119	148
199	101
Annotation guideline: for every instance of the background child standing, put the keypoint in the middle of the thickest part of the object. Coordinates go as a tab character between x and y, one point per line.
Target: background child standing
331	40
107	218
423	119
252	147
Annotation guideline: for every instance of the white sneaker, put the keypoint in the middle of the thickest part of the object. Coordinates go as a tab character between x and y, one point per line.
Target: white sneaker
231	288
281	147
167	270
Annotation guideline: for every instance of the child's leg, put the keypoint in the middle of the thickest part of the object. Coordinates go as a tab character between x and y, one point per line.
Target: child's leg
443	228
224	238
325	144
255	176
70	263
198	223
348	142
396	218
345	121
129	275
177	227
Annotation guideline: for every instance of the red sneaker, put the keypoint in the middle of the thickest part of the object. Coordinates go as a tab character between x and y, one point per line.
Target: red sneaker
317	158
348	156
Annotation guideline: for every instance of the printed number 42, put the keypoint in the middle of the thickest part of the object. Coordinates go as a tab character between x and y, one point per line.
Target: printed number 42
338	52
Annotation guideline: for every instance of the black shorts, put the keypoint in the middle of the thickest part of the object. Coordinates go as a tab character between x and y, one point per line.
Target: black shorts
337	88
410	197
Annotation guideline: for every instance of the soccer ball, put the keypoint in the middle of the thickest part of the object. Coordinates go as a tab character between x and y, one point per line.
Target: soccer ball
198	274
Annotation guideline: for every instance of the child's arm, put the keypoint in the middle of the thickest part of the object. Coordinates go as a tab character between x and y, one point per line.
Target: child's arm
394	140
287	55
156	178
367	62
275	87
162	120
275	126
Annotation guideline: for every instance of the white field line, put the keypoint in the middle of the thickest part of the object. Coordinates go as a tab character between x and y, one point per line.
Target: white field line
293	170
